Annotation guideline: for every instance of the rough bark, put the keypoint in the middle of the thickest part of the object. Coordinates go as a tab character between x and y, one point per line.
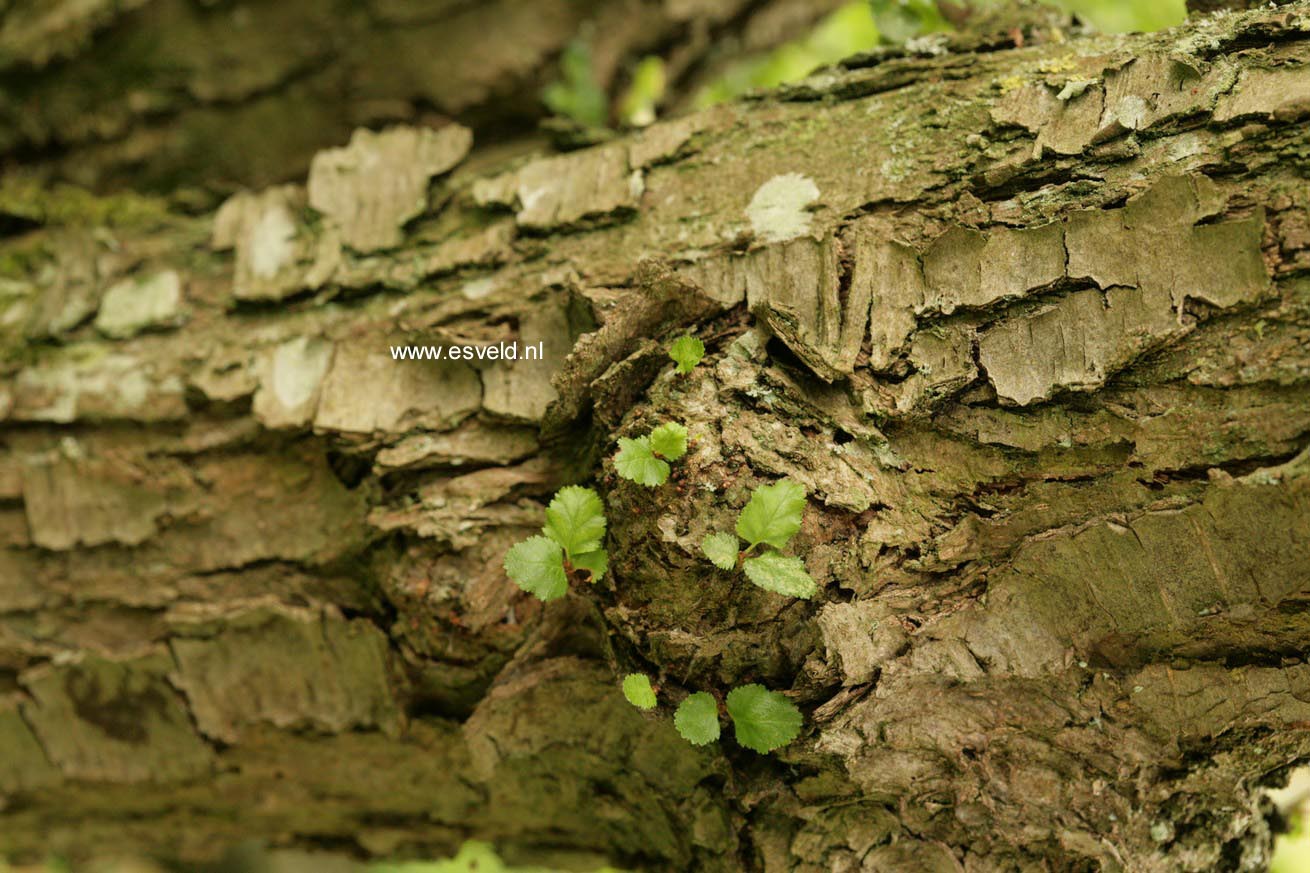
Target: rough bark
1032	326
192	97
1204	6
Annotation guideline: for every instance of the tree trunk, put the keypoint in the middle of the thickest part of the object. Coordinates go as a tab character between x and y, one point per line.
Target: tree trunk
1031	325
197	96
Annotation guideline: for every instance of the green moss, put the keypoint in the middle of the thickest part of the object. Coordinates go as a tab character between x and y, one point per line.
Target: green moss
22	258
63	204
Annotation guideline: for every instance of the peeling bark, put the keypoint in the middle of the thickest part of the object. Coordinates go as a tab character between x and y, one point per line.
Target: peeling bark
1032	326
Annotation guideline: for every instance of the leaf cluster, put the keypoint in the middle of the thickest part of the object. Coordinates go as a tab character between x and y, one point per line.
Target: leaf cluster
645	460
571	542
771	518
763	720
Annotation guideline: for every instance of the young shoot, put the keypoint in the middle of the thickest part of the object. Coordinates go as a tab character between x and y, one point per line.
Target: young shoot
770	519
571	545
686	352
638	690
763	720
645	460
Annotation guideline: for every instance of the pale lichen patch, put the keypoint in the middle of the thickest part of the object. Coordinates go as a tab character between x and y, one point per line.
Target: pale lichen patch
270	242
290	380
273	250
56	297
477	289
779	209
133	305
85	382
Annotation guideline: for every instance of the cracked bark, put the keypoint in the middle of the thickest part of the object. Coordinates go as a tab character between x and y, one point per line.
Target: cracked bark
1033	330
196	98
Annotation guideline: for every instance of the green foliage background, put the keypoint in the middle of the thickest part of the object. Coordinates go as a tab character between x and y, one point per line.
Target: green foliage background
857	26
863	24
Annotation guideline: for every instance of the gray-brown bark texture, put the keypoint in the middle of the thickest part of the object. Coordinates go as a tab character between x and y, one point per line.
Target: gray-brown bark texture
1032	325
198	96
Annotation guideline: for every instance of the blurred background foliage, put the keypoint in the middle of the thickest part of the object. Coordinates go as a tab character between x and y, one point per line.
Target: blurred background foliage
862	25
473	857
1292	850
857	26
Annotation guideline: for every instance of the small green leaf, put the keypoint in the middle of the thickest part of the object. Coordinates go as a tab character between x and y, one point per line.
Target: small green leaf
649	79
597	563
773	514
764	720
537	566
721	549
669	441
636	687
780	574
697	719
637	462
687	352
576	520
578	94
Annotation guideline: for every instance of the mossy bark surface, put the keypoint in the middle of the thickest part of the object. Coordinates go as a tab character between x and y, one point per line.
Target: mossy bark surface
1030	322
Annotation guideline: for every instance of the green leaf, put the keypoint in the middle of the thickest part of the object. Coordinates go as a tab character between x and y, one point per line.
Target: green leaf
649	80
537	566
597	563
697	719
669	441
721	549
780	574
687	352
773	514
577	94
576	520
636	687
637	462
764	719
